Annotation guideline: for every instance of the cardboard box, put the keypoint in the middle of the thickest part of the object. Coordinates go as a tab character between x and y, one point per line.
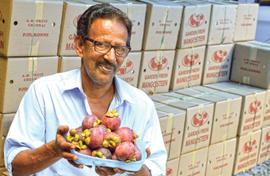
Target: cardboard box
5	122
222	25
129	71
193	163
247	151
136	12
195	24
68	63
187	67
199	116
264	152
246	21
30	28
175	121
227	109
251	117
14	84
221	158
172	167
163	19
217	65
251	64
156	70
72	10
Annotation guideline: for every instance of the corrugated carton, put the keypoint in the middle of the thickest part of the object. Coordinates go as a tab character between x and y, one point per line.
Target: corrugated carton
14	84
199	116
251	64
156	70
193	163
247	151
221	158
188	67
163	19
227	109
195	24
130	69
251	117
176	121
266	118
222	25
217	65
30	28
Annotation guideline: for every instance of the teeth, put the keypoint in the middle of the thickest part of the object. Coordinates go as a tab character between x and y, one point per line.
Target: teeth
106	68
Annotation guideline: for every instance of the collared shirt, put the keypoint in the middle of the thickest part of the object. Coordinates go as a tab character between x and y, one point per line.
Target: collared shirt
59	100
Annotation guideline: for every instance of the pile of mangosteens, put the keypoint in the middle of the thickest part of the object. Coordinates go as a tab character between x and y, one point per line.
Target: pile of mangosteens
104	138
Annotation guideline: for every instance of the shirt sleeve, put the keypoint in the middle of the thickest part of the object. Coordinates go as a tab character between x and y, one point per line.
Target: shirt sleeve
25	130
156	162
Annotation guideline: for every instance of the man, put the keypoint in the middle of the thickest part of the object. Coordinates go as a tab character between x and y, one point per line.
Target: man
55	103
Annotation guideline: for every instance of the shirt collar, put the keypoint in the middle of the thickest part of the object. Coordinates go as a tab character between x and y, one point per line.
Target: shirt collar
73	80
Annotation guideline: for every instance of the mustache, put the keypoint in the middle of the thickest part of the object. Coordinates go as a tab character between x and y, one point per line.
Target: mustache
106	63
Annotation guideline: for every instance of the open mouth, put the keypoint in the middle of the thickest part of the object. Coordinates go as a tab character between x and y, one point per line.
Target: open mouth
106	68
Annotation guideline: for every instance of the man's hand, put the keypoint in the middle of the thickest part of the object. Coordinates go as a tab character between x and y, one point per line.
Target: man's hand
62	147
144	171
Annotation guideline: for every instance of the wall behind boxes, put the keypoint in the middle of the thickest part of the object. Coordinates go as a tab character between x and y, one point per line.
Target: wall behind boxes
175	45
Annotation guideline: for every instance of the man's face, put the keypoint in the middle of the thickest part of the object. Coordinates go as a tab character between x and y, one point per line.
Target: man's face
100	68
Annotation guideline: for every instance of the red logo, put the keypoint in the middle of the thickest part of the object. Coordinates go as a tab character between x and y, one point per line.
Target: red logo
248	146
156	65
199	119
219	56
76	19
254	107
169	172
267	137
128	67
190	60
196	20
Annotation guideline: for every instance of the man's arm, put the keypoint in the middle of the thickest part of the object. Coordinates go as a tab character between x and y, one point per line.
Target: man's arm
31	161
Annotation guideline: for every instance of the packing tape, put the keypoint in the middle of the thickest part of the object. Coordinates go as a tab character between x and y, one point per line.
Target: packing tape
32	64
194	154
169	126
162	42
228	112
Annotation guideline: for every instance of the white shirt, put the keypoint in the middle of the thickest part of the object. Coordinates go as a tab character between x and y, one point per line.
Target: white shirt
59	100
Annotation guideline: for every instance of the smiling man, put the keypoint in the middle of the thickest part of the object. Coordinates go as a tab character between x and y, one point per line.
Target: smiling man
35	143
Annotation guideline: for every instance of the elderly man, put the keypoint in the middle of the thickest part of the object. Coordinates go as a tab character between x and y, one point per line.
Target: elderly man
35	143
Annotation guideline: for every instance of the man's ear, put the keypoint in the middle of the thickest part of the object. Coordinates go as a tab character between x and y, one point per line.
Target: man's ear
78	41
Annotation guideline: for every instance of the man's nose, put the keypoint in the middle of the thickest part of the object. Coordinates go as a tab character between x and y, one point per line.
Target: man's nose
110	56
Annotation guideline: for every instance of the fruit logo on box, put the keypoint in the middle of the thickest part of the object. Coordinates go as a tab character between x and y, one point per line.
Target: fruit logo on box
76	19
169	172
219	56
156	64
254	107
128	67
199	119
190	60
267	137
249	145
196	20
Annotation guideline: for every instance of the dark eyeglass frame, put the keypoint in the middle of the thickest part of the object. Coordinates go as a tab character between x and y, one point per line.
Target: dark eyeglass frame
110	46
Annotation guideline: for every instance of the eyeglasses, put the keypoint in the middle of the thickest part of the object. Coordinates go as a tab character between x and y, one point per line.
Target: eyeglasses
103	47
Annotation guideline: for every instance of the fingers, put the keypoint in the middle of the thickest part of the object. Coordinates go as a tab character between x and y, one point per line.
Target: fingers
104	171
75	164
148	151
63	129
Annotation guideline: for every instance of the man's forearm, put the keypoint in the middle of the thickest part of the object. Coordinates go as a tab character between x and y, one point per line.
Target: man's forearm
31	161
